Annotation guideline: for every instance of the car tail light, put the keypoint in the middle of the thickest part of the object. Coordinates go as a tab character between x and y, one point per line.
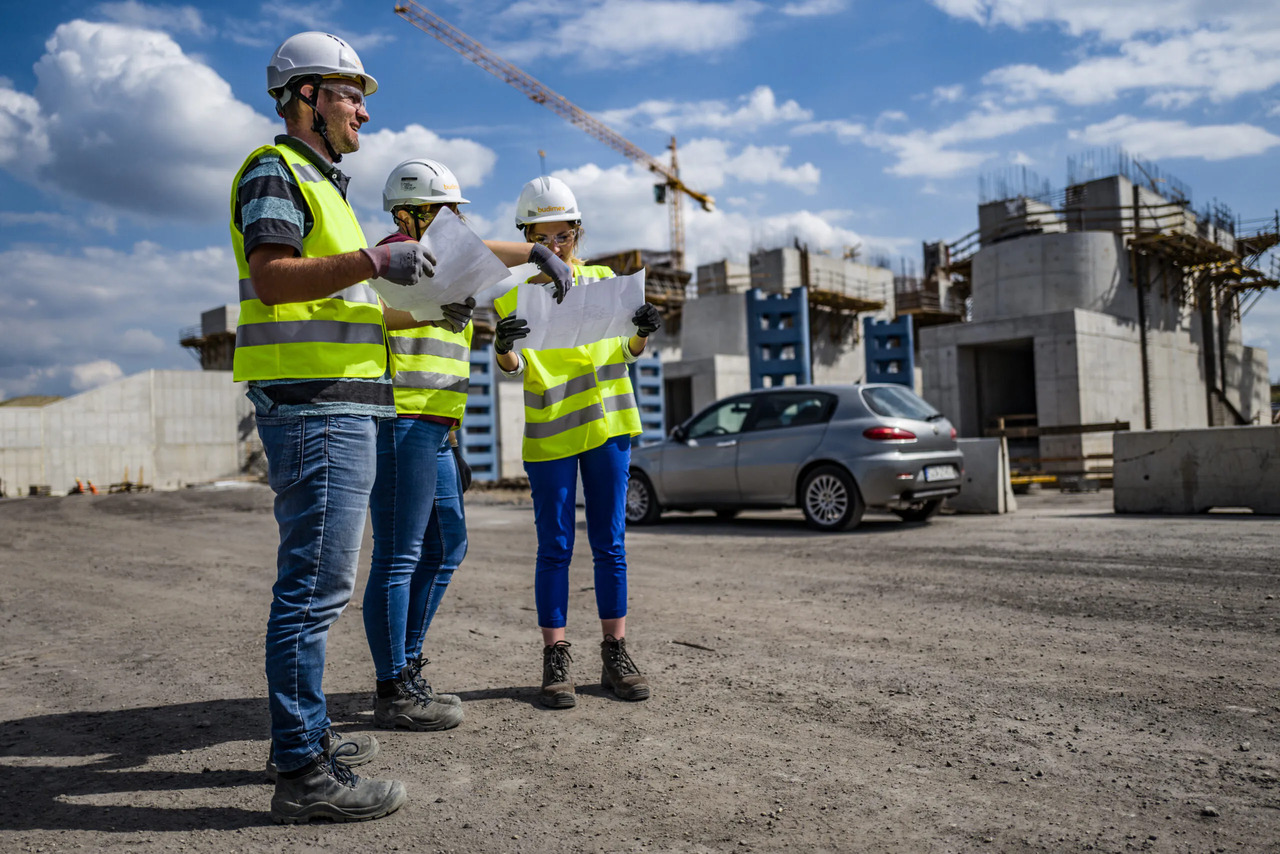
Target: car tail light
889	434
953	432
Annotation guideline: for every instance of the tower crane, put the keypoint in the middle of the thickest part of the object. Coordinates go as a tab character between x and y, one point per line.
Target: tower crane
670	189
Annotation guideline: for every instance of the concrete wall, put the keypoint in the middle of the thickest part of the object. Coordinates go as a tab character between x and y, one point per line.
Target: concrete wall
712	377
1191	471
712	325
986	487
170	428
1047	273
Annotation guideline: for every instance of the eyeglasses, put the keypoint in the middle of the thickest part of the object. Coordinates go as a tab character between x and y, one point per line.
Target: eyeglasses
348	92
561	239
426	213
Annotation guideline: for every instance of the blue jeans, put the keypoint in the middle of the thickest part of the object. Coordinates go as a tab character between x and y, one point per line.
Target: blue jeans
554	484
321	469
419	539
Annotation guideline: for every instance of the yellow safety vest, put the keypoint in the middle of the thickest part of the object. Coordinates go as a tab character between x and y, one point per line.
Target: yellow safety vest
433	369
578	398
338	336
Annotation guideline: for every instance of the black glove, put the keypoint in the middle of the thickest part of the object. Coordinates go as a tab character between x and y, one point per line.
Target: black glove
464	470
458	314
647	320
402	263
508	331
560	272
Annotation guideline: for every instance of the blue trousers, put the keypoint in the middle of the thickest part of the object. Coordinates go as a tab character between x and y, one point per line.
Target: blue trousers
321	469
554	484
419	539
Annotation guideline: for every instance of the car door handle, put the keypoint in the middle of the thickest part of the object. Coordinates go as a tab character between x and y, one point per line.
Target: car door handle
728	444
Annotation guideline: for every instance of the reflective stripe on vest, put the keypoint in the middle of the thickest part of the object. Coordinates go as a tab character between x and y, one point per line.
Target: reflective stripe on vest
338	336
575	399
433	371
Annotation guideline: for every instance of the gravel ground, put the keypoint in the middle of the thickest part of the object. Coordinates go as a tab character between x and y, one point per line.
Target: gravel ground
1059	679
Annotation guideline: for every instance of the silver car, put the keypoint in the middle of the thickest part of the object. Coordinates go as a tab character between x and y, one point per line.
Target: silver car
831	450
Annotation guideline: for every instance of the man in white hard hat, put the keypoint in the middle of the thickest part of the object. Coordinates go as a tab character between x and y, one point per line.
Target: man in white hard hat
311	344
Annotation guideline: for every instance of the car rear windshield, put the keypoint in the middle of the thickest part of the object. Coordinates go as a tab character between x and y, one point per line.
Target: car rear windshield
897	402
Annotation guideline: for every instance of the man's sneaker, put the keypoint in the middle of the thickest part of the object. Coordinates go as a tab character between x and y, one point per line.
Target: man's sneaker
412	708
333	791
415	666
619	672
557	684
366	747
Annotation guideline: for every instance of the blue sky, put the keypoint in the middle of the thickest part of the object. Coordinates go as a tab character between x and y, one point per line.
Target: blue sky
841	122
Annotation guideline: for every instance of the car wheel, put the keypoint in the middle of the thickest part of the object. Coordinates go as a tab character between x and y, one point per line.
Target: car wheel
726	515
920	511
830	499
642	501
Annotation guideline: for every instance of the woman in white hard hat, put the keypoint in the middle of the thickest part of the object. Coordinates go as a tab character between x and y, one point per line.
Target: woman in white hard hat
580	414
419	526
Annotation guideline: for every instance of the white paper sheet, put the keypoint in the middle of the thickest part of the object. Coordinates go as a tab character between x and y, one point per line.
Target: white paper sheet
464	267
589	313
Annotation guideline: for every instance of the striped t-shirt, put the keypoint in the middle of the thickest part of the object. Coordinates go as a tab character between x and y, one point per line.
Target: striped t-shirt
270	208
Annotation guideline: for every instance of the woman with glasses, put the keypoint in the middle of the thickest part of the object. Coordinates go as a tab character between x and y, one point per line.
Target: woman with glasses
580	414
419	526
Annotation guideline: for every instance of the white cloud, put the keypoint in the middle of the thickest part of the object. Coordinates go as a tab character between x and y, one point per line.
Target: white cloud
632	31
933	154
80	299
948	94
1106	18
122	116
753	111
380	151
706	164
93	374
171	19
1156	139
812	8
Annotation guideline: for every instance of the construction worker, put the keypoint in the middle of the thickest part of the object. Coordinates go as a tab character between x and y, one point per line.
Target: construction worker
419	526
312	346
580	413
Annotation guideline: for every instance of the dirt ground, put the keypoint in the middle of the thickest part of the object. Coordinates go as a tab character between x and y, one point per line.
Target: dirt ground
1058	679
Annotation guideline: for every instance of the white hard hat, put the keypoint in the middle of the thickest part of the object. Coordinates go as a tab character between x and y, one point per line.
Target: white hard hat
421	182
546	199
313	54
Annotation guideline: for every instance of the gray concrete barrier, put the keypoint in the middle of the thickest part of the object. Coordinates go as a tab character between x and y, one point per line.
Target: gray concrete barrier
1191	471
986	486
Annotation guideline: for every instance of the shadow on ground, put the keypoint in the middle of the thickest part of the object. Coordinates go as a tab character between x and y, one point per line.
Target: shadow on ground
113	748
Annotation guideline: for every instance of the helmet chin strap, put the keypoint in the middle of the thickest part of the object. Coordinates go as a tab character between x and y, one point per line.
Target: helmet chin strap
318	124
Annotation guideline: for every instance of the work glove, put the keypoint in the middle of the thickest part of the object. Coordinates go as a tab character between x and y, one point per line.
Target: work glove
560	272
458	314
464	470
508	331
647	320
404	263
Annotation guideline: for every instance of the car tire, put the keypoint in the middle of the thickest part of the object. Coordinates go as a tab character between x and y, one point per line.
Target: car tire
726	515
642	501
830	499
921	511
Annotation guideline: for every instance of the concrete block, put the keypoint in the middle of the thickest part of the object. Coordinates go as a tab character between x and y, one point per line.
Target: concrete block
1192	471
986	486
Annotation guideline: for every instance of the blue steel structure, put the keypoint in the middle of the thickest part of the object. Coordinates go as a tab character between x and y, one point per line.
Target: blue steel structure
890	350
778	338
646	380
479	434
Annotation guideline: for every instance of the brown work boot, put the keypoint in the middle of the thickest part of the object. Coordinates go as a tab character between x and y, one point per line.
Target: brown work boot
557	684
620	673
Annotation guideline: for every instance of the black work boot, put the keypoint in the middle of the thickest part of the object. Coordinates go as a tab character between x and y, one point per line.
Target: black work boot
407	706
557	684
415	666
620	673
332	790
366	747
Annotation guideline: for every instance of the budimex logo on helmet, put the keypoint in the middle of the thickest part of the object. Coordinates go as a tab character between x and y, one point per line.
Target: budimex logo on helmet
549	210
451	186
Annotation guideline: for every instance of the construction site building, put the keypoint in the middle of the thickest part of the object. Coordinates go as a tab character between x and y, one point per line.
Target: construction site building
1112	301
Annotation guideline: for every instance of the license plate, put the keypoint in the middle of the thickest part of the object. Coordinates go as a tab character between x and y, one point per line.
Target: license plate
932	473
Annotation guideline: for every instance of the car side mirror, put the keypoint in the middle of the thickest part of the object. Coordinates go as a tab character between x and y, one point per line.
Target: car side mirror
678	433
